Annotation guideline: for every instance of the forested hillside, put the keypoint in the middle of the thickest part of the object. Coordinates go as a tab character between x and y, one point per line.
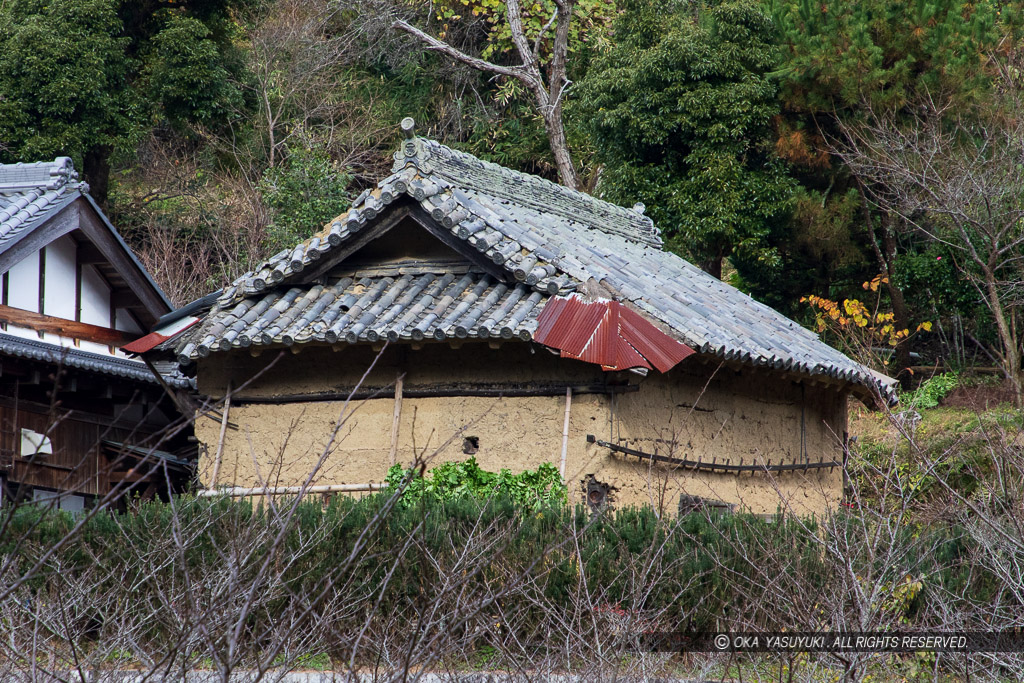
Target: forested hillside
853	164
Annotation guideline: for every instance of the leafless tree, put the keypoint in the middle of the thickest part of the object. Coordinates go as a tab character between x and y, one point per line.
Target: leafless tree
955	177
547	85
191	228
300	60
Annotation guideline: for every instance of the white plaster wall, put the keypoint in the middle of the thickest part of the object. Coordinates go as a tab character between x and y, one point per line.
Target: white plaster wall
24	283
124	321
69	502
95	298
59	295
23	280
59	286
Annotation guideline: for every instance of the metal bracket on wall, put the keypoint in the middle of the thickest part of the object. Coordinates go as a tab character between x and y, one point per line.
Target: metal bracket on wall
714	465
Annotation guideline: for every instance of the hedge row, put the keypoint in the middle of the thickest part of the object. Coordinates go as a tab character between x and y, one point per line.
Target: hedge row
694	570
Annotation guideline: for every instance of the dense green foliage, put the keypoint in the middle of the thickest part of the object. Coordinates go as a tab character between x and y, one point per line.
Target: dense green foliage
842	62
306	190
63	77
840	54
528	489
87	79
932	390
681	111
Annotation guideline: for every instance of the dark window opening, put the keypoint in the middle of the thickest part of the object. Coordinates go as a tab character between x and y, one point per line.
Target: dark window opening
470	445
688	504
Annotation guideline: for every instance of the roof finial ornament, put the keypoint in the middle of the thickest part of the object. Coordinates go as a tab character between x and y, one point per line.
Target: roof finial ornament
639	208
409	127
413	150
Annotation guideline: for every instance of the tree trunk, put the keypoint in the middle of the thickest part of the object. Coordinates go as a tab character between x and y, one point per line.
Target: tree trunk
1011	355
555	130
713	264
547	96
885	255
96	172
901	358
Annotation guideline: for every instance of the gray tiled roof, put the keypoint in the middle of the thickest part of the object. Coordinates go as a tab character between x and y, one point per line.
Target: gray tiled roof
439	305
31	193
39	350
549	239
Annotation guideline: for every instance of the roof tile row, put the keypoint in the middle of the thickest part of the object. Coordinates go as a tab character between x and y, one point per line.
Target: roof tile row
29	192
410	307
46	352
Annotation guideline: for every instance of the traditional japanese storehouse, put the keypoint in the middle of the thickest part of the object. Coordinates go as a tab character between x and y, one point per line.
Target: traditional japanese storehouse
474	311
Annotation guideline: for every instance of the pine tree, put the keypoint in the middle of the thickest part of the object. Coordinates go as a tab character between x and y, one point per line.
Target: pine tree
842	59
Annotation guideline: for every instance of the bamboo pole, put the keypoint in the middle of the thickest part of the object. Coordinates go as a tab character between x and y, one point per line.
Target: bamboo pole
239	491
565	430
397	417
220	439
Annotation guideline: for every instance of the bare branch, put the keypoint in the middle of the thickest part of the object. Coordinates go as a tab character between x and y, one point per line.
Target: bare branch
547	96
481	65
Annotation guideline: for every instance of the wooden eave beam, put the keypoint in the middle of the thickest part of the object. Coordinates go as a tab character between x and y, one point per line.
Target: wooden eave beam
88	254
388	219
445	236
64	327
125	298
131	476
377	227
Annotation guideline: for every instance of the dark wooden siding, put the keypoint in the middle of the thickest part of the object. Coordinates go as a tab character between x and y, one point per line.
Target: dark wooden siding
76	463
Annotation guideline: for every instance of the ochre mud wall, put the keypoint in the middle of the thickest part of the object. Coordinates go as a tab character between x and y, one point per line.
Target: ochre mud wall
696	411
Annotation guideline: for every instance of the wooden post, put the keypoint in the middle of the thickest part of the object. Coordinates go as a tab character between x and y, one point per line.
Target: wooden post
397	417
220	439
565	430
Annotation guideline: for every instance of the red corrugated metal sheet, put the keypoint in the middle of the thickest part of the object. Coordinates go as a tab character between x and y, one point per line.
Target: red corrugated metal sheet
143	344
608	334
570	325
157	337
661	350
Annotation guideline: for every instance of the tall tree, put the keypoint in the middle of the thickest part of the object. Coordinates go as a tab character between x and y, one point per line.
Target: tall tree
681	112
541	35
85	78
63	77
842	60
954	175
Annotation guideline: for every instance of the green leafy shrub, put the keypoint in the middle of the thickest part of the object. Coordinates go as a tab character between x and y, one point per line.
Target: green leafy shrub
306	191
933	390
694	570
532	488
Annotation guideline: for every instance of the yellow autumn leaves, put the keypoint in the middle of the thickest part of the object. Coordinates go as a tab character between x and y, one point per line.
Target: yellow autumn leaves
853	314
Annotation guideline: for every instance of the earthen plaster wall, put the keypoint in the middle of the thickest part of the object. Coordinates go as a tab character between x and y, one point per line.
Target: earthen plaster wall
696	411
